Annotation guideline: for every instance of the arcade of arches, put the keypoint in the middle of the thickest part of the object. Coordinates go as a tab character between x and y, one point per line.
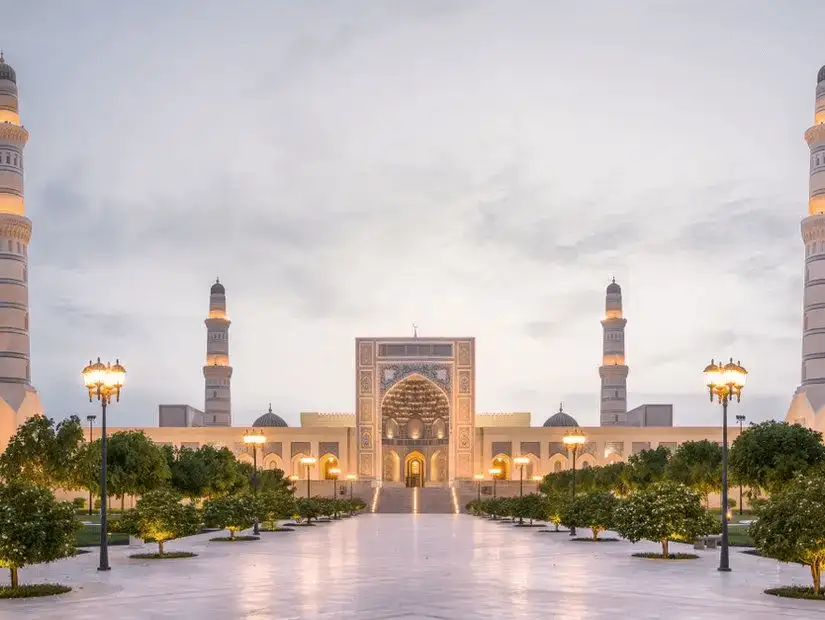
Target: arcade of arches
415	422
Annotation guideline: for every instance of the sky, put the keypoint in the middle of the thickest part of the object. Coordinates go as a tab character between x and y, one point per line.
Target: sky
478	168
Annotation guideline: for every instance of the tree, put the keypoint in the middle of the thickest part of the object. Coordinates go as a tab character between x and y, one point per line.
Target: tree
646	467
43	453
771	454
661	512
611	478
697	464
530	506
594	510
187	471
229	512
275	480
160	516
34	527
307	508
86	469
554	505
274	505
135	465
221	470
790	526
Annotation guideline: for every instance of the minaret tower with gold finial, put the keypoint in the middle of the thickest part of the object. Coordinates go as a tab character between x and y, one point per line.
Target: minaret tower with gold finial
613	370
217	372
18	399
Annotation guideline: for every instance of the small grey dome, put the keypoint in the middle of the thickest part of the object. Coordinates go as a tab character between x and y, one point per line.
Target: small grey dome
819	78
270	419
561	418
217	288
6	72
614	288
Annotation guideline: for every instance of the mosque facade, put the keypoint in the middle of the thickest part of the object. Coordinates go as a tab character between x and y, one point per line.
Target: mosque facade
414	420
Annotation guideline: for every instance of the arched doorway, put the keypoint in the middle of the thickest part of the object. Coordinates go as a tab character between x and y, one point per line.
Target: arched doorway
502	462
327	462
392	467
414	469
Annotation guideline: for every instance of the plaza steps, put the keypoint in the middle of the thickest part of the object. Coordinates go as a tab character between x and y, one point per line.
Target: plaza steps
427	500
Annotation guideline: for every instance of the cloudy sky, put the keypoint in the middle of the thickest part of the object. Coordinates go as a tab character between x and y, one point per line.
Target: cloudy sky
481	169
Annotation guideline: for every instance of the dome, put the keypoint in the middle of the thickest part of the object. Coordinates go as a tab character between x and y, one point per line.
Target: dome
217	288
560	418
819	78
614	288
6	72
269	419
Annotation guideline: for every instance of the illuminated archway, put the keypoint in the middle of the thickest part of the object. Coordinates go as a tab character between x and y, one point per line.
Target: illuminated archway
438	466
325	463
415	470
411	409
502	461
273	461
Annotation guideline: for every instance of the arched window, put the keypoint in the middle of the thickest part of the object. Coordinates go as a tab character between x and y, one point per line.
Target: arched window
557	467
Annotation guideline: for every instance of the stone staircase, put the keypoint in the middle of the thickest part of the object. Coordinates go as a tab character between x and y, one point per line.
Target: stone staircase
438	500
395	499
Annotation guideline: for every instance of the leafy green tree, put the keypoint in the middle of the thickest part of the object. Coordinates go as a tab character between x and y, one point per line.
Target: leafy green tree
275	480
43	452
34	527
611	478
222	470
307	508
769	455
187	469
554	506
697	464
646	467
135	465
662	512
790	526
86	467
593	510
530	506
229	512
557	482
275	505
160	516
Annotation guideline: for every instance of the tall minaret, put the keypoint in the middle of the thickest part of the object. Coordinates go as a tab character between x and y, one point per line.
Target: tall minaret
613	370
217	372
18	399
813	235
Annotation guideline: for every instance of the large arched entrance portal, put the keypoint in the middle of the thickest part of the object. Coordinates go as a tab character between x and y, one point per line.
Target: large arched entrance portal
415	422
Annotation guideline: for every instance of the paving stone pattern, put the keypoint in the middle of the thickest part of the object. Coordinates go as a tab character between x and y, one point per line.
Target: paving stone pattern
413	566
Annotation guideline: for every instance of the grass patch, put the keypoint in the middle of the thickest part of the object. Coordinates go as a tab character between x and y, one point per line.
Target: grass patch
277	529
596	540
89	536
236	539
39	589
169	555
796	592
670	556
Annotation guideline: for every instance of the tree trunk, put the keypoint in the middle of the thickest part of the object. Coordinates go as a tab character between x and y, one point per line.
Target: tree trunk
596	531
14	582
664	549
231	533
557	525
122	502
160	547
816	573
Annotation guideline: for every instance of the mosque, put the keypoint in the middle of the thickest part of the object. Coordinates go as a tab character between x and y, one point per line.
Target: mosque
414	421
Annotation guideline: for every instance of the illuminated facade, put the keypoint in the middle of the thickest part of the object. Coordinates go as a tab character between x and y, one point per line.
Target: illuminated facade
808	403
18	399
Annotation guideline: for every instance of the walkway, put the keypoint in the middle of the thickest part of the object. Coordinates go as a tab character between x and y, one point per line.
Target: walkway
414	566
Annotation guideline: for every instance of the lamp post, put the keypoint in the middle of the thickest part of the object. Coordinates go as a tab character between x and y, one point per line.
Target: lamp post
91	420
351	478
724	383
103	381
521	461
334	472
251	438
572	440
308	461
478	478
494	472
741	419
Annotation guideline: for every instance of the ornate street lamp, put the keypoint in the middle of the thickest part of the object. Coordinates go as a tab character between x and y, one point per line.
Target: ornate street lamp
478	478
521	461
91	420
494	472
724	383
741	419
351	478
334	472
308	461
572	440
103	381
251	438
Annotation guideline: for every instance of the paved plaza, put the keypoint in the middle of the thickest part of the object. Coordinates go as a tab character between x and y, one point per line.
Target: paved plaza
413	566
